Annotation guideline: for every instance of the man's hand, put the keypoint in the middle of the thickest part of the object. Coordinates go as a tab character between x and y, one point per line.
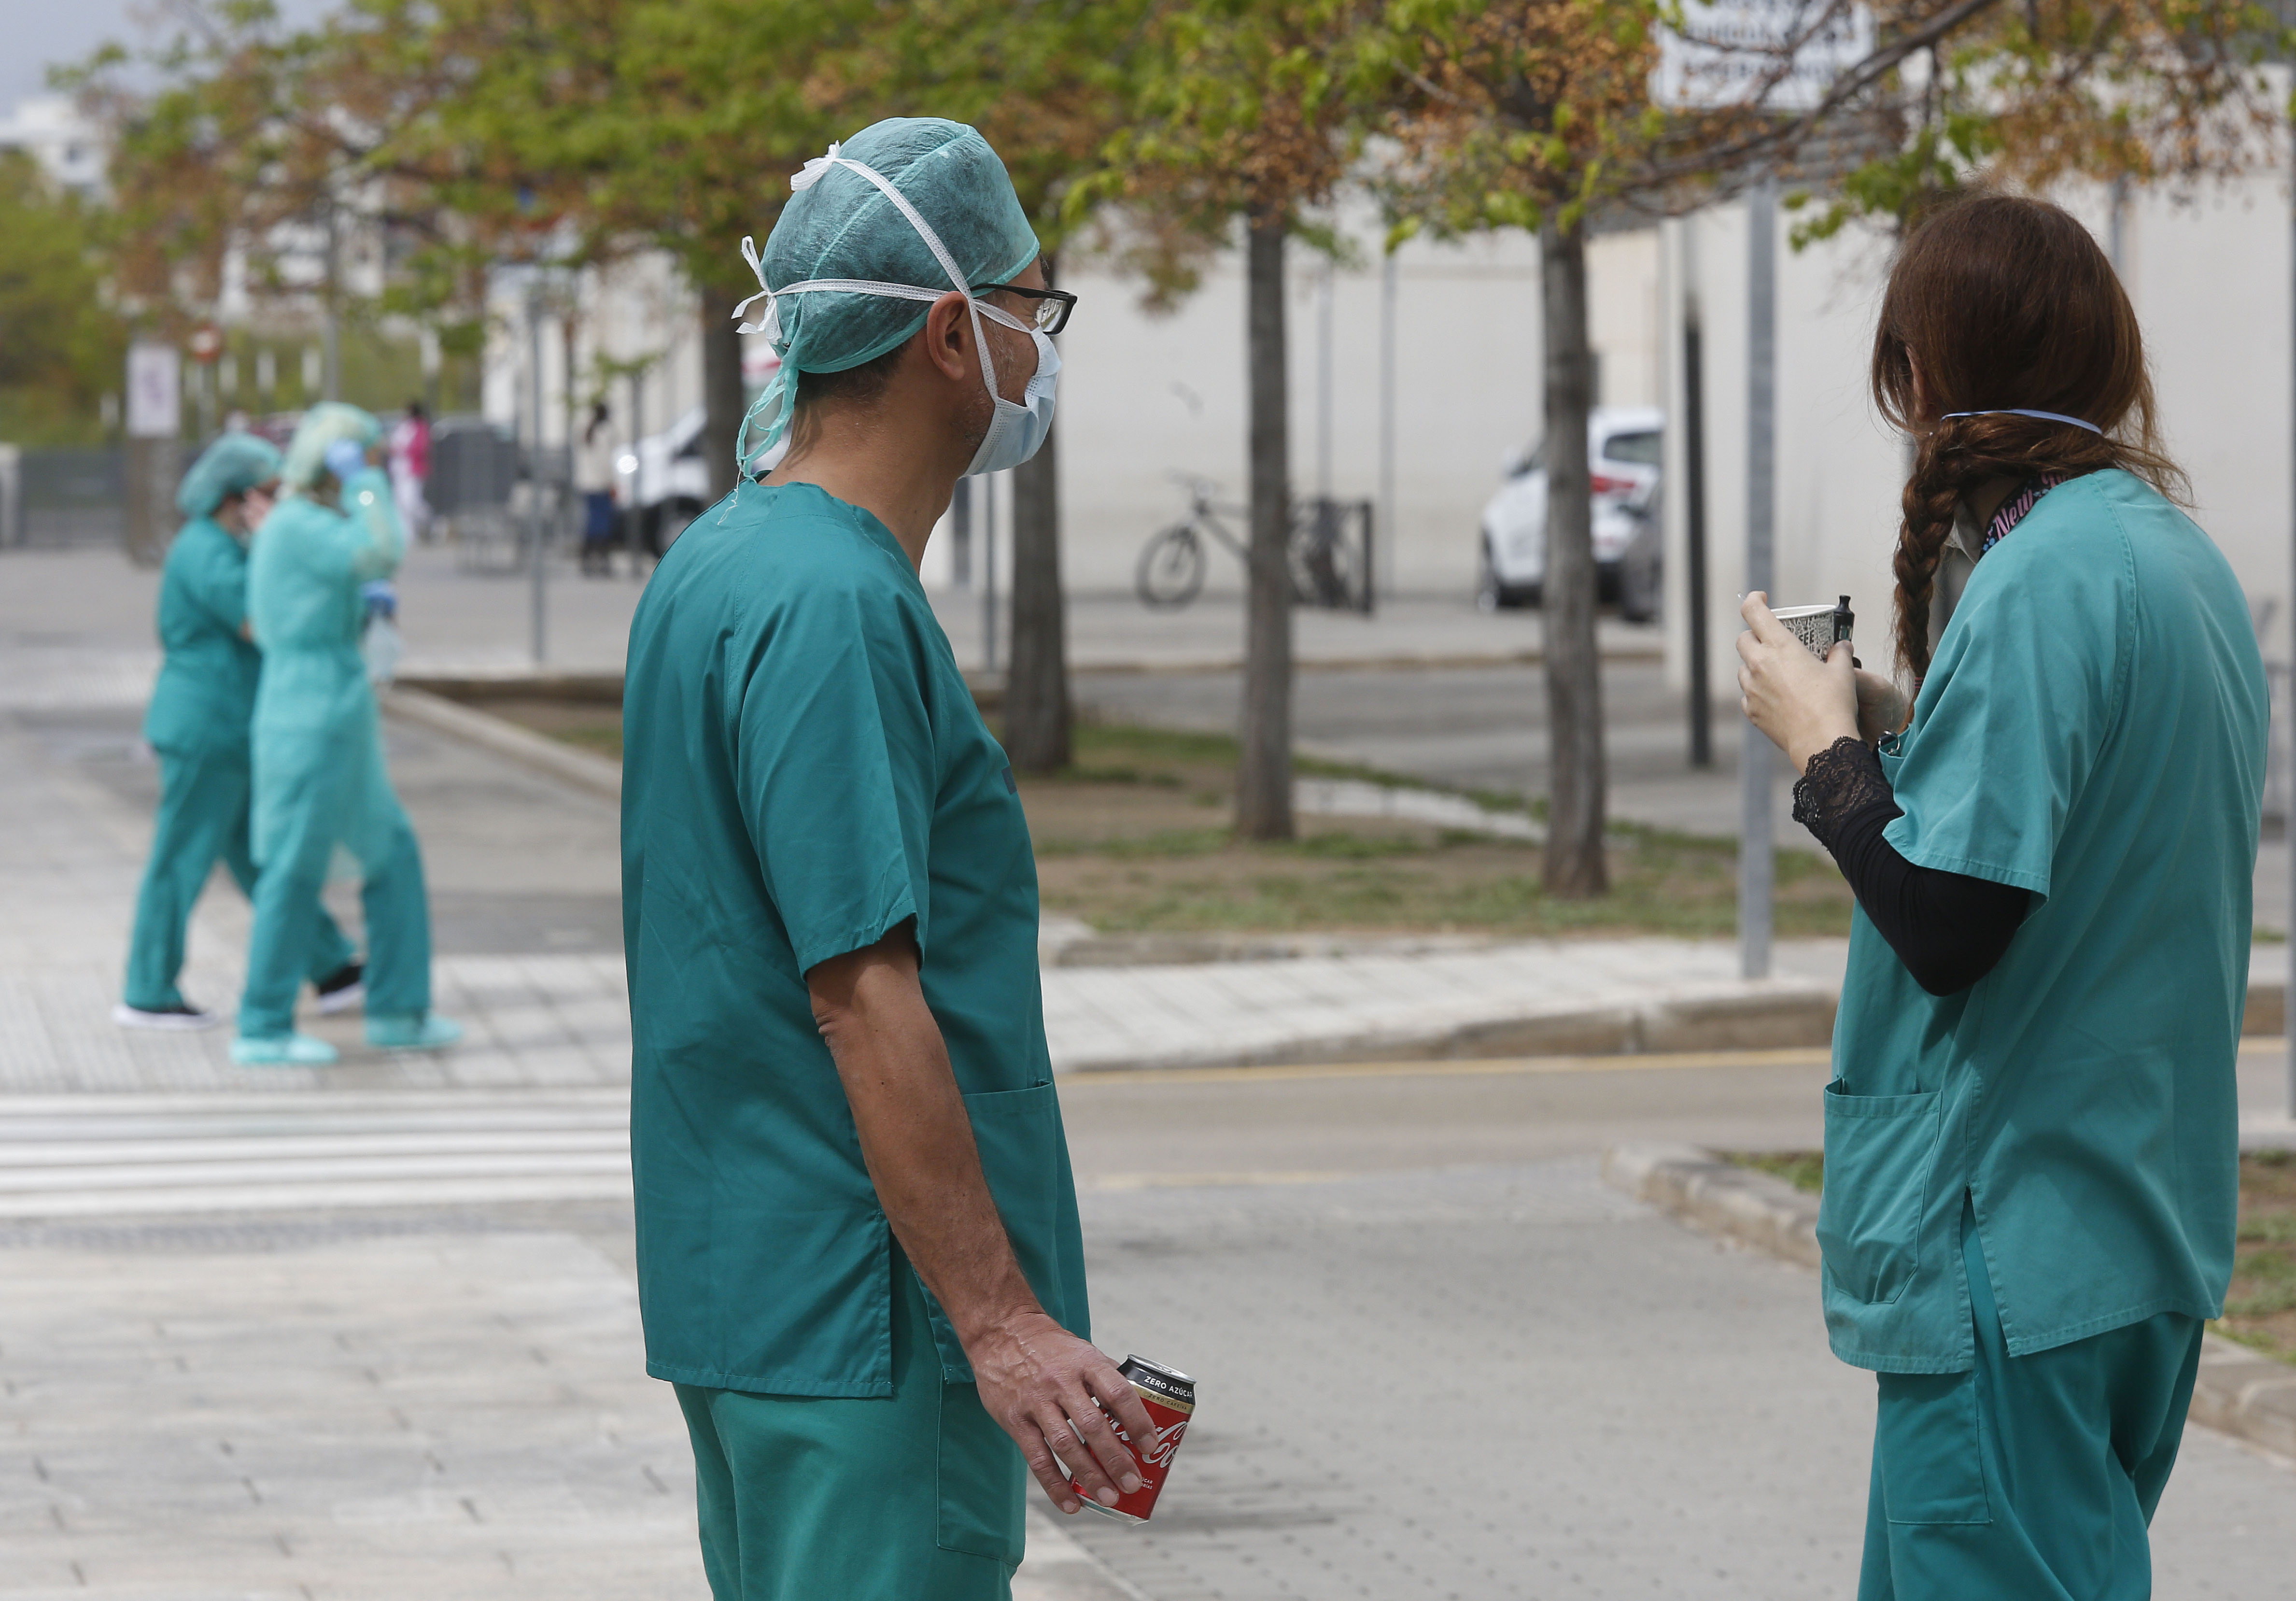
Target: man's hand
1802	703
1048	1388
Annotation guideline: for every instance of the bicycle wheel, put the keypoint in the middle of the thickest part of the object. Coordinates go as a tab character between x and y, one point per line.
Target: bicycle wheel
1171	569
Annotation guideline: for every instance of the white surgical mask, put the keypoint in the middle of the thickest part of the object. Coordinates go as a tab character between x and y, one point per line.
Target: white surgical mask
1016	429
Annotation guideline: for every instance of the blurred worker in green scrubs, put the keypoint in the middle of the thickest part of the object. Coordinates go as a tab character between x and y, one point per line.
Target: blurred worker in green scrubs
320	782
860	1258
198	727
2032	1136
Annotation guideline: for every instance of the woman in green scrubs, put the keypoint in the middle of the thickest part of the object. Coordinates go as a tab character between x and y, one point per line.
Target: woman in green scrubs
198	727
320	780
2031	1136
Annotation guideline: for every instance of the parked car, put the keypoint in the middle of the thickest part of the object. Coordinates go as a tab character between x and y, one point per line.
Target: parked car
1622	455
667	478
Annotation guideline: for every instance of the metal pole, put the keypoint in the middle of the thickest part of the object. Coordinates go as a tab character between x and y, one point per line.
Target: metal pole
1324	297
988	573
2288	804
637	518
331	380
1693	446
1757	860
1385	533
537	528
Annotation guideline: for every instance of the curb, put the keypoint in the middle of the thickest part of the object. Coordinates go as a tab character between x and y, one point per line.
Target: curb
505	738
2237	1391
1775	1020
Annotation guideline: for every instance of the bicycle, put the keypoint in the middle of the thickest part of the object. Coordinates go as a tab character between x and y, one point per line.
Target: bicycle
1326	568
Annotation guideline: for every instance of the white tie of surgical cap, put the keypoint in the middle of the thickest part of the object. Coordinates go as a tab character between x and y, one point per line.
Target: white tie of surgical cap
805	178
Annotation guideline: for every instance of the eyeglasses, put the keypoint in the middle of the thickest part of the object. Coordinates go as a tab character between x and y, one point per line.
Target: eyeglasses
1050	313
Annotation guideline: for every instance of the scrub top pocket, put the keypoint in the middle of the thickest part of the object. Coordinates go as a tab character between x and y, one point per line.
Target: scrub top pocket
1879	1152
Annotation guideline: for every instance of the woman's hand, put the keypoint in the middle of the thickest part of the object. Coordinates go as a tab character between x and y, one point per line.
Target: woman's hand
1802	703
1883	708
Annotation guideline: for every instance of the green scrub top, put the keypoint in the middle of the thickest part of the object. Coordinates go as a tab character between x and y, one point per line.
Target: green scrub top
314	708
804	771
2092	730
206	692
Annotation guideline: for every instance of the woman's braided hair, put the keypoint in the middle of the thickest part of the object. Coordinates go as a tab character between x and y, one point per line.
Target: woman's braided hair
1999	301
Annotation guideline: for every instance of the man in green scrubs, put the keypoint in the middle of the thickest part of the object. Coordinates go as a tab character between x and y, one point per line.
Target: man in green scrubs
198	725
858	1253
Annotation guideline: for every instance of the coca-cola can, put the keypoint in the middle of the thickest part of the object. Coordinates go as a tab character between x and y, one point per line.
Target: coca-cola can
1170	1399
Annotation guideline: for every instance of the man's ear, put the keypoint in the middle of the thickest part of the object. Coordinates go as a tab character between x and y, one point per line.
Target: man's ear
949	336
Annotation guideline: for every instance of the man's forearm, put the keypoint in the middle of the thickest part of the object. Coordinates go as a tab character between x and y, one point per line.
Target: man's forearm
917	1139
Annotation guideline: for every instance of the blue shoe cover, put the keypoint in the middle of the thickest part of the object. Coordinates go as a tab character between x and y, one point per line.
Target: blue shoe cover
411	1031
282	1050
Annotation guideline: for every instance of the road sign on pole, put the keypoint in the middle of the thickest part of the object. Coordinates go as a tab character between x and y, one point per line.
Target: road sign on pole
1781	56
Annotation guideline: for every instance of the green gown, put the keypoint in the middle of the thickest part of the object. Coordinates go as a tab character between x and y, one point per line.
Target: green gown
198	725
320	780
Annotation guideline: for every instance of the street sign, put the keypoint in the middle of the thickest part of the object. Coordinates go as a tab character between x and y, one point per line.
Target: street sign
155	391
1730	52
207	343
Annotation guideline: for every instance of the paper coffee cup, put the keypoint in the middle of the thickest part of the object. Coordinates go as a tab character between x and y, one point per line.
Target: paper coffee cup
1812	625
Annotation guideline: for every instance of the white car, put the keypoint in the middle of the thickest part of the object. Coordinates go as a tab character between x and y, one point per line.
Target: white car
1622	455
667	478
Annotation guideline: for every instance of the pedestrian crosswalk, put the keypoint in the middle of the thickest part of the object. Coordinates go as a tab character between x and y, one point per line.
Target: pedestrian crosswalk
96	1155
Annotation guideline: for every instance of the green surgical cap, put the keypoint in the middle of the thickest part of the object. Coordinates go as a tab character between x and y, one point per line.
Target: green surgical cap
838	224
232	465
322	426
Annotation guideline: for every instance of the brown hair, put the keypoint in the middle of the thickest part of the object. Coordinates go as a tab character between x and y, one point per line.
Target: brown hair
1998	300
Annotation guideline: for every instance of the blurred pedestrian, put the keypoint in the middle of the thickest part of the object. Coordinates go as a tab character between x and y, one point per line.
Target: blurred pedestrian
594	481
2031	1148
320	780
197	724
859	1255
410	470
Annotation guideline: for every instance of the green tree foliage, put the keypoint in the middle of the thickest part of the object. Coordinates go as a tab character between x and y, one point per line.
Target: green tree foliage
1538	114
61	347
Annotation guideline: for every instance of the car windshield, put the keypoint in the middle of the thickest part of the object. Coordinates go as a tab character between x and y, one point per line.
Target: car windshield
1640	449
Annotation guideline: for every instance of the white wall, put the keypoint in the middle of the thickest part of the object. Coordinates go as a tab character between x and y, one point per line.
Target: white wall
1142	396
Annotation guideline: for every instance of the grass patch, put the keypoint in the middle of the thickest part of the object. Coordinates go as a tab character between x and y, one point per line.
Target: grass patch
1123	841
1804	1170
1134	838
2259	1308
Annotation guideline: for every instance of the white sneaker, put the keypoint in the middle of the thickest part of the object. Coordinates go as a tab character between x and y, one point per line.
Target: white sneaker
178	1019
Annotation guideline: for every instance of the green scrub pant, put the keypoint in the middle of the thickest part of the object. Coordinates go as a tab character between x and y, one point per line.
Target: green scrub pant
2028	1478
287	902
919	1497
204	815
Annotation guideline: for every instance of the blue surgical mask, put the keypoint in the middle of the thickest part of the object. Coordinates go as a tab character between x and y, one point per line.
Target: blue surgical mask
1017	432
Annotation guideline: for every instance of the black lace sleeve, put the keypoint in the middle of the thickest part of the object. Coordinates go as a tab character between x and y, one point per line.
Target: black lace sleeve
1948	928
1843	781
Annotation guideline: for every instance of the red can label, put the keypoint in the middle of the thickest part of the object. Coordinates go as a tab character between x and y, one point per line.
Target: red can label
1170	1399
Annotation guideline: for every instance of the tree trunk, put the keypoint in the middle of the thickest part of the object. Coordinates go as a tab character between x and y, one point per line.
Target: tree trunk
1263	779
1575	867
1037	688
721	387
